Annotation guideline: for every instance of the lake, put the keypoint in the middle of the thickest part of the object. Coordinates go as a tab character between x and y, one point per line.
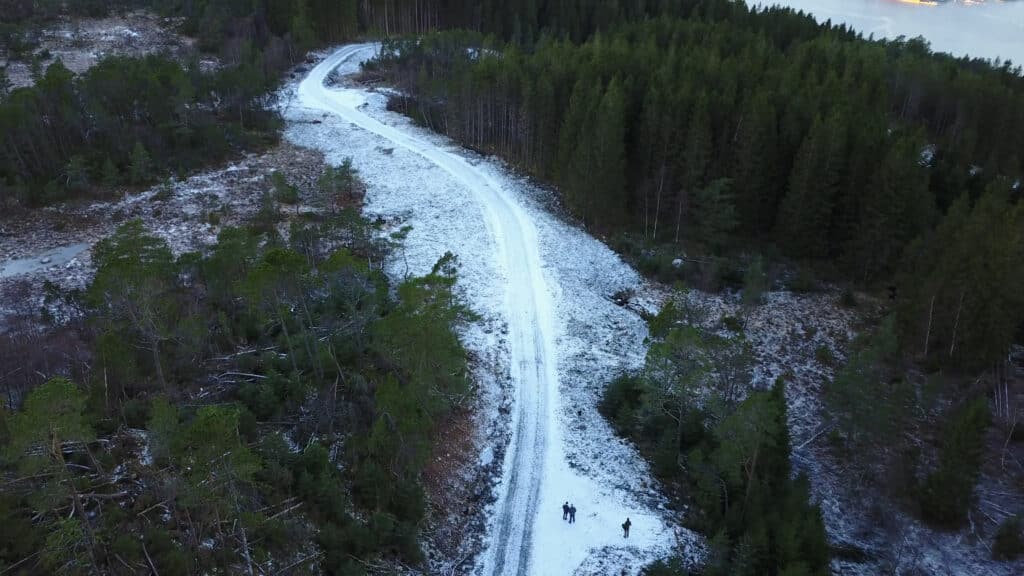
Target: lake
983	29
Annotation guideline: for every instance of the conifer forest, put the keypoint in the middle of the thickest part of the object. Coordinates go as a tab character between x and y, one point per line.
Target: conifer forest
258	361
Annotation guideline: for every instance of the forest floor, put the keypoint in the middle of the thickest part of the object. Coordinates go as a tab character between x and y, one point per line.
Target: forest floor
80	43
878	534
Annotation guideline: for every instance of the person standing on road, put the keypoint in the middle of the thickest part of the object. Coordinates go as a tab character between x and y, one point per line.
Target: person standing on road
572	514
565	510
625	528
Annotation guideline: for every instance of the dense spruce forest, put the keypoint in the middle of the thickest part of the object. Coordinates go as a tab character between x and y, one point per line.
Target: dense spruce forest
735	128
270	402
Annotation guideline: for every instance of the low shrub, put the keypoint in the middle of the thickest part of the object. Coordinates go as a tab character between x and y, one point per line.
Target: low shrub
824	355
1009	540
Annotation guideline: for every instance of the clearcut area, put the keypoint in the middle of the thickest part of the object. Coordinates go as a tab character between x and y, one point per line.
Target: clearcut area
518	263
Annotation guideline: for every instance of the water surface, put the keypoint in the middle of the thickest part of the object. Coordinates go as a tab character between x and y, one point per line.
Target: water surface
981	29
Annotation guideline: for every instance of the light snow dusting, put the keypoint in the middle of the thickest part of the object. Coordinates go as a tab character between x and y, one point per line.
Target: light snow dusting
541	289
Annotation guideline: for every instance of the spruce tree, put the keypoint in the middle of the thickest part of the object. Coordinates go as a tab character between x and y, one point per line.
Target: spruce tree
755	174
755	283
989	270
897	206
111	176
139	165
5	83
947	493
959	299
301	30
577	145
608	175
714	214
694	161
659	130
806	210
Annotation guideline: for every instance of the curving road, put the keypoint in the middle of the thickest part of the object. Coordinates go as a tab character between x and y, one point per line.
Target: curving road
528	310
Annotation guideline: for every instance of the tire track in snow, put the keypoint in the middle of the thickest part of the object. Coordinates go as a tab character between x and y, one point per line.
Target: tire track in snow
528	310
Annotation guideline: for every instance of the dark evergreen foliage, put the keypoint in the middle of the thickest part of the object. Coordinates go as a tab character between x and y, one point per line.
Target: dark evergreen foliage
1009	540
838	149
683	122
728	457
302	338
947	493
127	121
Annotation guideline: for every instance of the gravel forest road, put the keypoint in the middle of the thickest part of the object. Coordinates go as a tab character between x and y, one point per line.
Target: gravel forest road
526	535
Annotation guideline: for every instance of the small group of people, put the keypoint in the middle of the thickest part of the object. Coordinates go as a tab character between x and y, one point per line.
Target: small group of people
569	514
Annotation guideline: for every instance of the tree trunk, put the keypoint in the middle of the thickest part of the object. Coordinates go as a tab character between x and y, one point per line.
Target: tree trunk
157	365
928	332
750	473
89	536
57	453
679	214
956	325
657	203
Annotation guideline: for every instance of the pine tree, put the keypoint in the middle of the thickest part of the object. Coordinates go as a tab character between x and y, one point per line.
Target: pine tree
76	174
131	293
54	414
337	185
868	406
985	272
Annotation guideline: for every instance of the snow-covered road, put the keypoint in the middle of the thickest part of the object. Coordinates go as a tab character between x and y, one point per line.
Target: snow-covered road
479	212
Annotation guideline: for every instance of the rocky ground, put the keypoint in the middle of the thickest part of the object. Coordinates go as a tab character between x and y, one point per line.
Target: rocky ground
82	42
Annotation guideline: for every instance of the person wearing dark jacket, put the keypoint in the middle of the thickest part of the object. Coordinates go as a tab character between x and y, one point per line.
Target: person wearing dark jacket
625	528
565	511
572	514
